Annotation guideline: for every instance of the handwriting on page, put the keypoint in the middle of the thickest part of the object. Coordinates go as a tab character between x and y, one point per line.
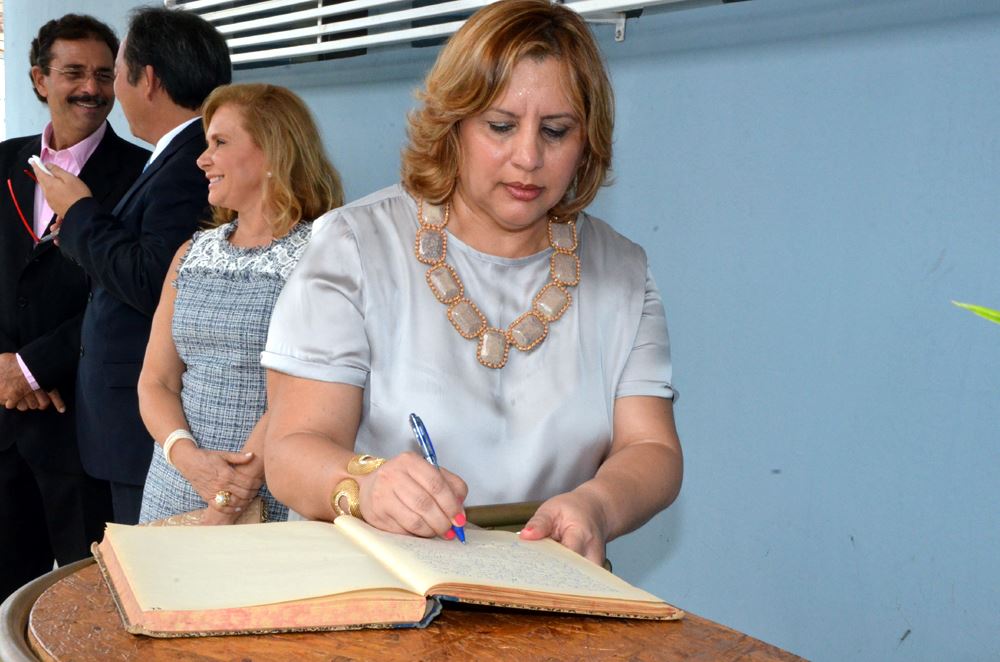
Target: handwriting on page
509	562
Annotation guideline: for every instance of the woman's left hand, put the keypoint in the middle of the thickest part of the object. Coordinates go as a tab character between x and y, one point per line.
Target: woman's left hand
211	472
573	519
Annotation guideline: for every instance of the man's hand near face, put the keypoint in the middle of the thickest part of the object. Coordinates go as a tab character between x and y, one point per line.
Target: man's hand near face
62	190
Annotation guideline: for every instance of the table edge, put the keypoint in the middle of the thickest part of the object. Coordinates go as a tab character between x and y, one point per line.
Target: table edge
15	612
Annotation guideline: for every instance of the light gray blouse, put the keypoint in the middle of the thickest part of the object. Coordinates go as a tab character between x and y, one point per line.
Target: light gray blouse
357	310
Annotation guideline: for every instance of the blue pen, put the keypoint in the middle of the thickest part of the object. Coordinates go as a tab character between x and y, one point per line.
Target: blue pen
427	448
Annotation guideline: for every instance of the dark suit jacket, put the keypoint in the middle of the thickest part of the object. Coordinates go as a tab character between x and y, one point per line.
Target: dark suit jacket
43	295
126	253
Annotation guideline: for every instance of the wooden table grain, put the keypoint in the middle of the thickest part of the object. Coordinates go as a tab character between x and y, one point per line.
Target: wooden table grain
75	619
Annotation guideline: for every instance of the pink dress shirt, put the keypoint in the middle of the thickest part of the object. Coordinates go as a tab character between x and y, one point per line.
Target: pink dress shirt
72	160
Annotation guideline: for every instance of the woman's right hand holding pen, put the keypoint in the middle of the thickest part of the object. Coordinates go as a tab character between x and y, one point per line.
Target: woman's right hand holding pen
409	495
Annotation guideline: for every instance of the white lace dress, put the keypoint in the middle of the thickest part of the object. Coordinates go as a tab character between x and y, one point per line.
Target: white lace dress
225	295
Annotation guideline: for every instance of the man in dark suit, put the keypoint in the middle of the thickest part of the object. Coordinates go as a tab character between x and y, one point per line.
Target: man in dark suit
50	509
167	65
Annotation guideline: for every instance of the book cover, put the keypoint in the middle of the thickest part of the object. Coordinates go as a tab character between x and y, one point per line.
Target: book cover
291	576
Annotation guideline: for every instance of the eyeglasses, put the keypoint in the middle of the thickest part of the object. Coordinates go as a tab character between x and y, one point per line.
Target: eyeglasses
80	74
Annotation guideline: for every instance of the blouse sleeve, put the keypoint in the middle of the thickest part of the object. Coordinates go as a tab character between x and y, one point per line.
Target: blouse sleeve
317	328
648	370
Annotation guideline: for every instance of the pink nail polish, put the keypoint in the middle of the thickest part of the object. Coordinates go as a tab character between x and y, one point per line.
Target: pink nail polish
449	535
459	519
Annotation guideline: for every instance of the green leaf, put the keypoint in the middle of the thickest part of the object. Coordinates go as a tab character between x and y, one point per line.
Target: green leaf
988	313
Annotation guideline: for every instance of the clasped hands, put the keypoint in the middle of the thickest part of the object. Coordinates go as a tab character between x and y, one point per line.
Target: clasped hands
409	495
39	400
211	472
16	393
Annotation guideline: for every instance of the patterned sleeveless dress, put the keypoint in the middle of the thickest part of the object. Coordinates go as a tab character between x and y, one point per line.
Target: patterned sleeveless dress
224	299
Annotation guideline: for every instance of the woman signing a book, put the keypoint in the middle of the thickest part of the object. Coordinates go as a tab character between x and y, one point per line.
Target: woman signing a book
201	392
528	335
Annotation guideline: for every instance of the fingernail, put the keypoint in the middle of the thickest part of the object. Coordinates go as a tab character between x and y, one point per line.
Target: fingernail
450	535
526	529
459	519
249	454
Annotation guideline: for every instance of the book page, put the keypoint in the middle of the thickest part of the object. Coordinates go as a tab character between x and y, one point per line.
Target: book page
492	558
219	567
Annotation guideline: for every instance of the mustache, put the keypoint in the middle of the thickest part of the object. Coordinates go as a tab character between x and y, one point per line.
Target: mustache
98	99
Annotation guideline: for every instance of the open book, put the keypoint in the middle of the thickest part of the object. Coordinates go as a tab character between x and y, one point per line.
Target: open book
287	576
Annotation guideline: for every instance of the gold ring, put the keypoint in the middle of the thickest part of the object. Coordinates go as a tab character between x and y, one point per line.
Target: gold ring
222	498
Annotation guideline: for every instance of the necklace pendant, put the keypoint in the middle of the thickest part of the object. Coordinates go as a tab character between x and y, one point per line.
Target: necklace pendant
445	283
551	302
493	348
562	236
431	246
527	331
434	216
466	318
565	268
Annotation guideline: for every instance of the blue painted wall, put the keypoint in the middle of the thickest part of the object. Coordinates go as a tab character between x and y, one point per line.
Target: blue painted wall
813	181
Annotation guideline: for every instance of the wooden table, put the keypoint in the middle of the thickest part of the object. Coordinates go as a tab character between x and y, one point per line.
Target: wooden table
72	617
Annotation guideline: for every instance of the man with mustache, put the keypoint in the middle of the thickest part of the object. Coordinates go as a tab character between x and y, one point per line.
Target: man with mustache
167	65
50	509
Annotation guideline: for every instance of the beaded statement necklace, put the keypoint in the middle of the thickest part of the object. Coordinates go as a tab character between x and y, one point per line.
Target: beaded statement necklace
528	330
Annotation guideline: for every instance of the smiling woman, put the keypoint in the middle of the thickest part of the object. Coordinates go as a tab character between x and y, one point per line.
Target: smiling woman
235	167
527	334
202	387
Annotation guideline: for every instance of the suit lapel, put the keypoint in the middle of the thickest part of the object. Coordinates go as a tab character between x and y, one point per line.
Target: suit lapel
191	132
24	191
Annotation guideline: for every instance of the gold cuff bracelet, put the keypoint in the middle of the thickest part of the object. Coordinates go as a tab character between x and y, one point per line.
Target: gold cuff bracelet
359	465
364	464
347	489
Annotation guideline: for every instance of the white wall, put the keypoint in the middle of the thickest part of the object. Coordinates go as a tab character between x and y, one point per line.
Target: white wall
3	100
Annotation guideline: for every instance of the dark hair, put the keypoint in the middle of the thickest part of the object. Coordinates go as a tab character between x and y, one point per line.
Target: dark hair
187	54
71	27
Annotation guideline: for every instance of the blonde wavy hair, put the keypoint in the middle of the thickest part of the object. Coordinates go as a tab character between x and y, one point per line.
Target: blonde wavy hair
473	70
302	184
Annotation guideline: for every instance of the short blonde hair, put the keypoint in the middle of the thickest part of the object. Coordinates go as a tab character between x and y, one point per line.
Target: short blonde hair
473	70
301	184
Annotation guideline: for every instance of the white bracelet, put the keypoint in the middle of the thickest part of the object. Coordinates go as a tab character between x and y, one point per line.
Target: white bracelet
172	439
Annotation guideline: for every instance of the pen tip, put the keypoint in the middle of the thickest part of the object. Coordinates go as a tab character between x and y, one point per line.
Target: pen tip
460	534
